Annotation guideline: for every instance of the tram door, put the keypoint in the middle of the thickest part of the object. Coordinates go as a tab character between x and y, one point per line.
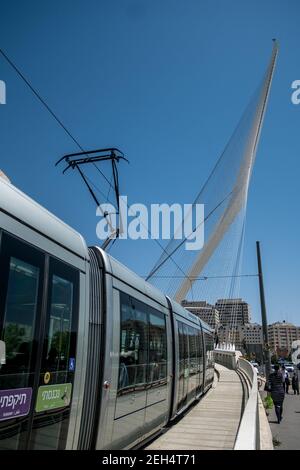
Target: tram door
38	321
129	419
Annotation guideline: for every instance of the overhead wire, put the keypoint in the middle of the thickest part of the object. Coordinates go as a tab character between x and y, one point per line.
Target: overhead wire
43	101
62	125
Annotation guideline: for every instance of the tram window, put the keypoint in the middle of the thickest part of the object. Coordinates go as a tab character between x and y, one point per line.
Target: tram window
61	324
181	342
209	346
59	347
200	347
181	362
21	287
20	315
193	350
186	348
157	346
133	343
198	353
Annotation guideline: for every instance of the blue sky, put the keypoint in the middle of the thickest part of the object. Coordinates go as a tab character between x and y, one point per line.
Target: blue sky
165	81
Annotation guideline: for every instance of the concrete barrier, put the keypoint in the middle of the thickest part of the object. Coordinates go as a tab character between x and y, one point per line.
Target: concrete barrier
265	433
247	437
227	359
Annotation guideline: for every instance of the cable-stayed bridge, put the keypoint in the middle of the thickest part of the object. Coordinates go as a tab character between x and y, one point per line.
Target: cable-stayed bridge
232	412
215	271
212	273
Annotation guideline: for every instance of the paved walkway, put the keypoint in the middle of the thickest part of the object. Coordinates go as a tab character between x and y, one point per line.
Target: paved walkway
286	435
212	423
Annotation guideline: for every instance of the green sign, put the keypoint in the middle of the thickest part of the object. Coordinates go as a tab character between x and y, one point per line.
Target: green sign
51	397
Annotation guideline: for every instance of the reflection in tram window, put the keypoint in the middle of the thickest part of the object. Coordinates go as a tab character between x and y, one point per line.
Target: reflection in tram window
190	363
186	352
50	428
209	347
157	347
181	363
20	315
60	324
143	344
193	350
133	343
21	278
123	375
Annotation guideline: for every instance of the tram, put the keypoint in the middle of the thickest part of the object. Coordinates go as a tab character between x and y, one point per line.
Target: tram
91	355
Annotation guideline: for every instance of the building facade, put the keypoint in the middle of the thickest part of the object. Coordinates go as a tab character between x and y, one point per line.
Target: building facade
248	338
281	335
253	340
205	311
233	312
252	333
231	319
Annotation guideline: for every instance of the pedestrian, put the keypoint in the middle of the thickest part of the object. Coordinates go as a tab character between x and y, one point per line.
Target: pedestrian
295	383
287	382
275	386
285	379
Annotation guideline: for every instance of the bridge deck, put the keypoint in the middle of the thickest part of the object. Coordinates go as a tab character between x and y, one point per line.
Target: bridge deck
211	424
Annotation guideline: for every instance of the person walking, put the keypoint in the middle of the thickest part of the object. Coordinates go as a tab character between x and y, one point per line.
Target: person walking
285	379
276	387
287	382
295	383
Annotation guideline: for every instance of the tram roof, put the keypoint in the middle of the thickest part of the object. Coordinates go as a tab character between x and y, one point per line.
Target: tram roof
124	274
22	208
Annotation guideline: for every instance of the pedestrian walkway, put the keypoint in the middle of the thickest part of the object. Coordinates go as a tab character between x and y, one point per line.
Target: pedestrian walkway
286	434
213	423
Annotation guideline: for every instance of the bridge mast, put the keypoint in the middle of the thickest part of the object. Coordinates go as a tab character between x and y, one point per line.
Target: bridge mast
238	198
266	348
